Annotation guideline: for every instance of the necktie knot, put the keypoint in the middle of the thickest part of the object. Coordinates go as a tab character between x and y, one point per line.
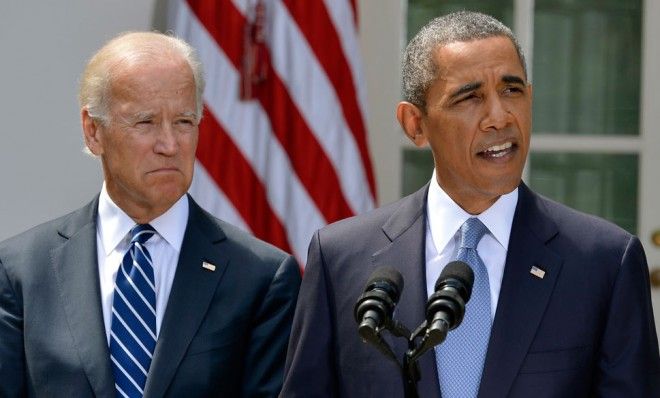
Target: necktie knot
472	231
141	233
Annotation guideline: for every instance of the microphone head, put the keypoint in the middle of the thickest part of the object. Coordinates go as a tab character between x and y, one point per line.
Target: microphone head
388	279
460	276
374	308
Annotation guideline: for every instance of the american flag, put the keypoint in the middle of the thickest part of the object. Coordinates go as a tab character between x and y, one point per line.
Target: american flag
283	143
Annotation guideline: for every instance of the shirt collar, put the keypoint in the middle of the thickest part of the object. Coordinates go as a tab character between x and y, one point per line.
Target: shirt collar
114	224
445	216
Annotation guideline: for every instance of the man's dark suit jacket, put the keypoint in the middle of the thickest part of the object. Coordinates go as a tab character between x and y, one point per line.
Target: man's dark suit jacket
224	332
585	329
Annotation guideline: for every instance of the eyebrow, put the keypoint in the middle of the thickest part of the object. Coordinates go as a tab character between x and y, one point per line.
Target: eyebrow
142	115
466	88
148	115
188	114
135	117
512	79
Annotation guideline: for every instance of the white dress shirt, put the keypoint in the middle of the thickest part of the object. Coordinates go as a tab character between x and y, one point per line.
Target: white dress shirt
112	242
445	218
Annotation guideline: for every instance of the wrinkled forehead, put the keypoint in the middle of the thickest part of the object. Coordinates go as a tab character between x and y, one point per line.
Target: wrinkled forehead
138	64
145	77
493	55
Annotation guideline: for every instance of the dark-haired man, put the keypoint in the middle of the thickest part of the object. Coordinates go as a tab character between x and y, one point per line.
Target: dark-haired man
560	305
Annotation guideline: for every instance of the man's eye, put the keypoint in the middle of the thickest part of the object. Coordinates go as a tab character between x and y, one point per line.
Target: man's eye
512	90
468	98
144	122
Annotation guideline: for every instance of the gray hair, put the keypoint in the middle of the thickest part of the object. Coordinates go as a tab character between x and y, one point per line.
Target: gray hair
419	69
95	81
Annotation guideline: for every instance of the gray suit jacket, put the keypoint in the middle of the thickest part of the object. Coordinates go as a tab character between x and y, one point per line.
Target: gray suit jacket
224	332
585	329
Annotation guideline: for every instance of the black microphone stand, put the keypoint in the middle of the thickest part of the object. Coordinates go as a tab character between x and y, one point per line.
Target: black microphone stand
410	373
409	368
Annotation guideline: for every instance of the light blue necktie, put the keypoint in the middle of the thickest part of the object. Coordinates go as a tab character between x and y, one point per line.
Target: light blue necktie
133	327
461	356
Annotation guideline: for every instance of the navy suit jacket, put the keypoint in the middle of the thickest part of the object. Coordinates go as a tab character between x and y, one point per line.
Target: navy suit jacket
224	332
585	329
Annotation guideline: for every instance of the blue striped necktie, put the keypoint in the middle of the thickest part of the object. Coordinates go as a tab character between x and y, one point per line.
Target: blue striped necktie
460	358
133	327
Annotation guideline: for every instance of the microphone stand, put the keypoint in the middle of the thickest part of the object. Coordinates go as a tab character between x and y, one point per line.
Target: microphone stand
409	368
410	373
430	335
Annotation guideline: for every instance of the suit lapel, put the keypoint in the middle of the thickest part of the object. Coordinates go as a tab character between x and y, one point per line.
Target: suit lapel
76	271
191	295
406	229
523	296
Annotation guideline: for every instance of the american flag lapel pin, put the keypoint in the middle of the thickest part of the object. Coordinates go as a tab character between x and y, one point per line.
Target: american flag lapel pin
208	266
537	272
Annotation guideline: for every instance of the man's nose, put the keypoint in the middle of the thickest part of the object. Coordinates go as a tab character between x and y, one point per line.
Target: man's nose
166	143
496	115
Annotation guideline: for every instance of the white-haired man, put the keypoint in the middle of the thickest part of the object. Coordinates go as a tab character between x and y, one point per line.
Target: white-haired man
141	292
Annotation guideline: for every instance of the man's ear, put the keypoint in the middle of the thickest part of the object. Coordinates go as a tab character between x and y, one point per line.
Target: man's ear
91	132
410	119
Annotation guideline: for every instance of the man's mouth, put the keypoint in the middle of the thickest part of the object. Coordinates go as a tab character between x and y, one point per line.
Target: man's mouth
498	151
165	170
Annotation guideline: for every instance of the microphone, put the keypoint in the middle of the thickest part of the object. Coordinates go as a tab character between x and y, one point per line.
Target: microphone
446	306
374	308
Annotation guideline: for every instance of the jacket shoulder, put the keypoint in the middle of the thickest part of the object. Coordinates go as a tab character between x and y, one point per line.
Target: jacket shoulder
372	218
363	233
392	218
590	240
249	246
47	234
588	226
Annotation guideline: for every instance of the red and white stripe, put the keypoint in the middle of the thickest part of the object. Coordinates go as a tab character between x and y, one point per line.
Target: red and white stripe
295	157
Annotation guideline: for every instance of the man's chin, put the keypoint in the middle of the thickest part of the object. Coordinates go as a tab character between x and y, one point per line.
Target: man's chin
164	197
499	188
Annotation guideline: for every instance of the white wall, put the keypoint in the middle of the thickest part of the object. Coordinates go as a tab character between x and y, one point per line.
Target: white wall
382	36
44	46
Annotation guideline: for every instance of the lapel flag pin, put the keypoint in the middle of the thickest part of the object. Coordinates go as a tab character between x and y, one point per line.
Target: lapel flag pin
537	272
208	266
